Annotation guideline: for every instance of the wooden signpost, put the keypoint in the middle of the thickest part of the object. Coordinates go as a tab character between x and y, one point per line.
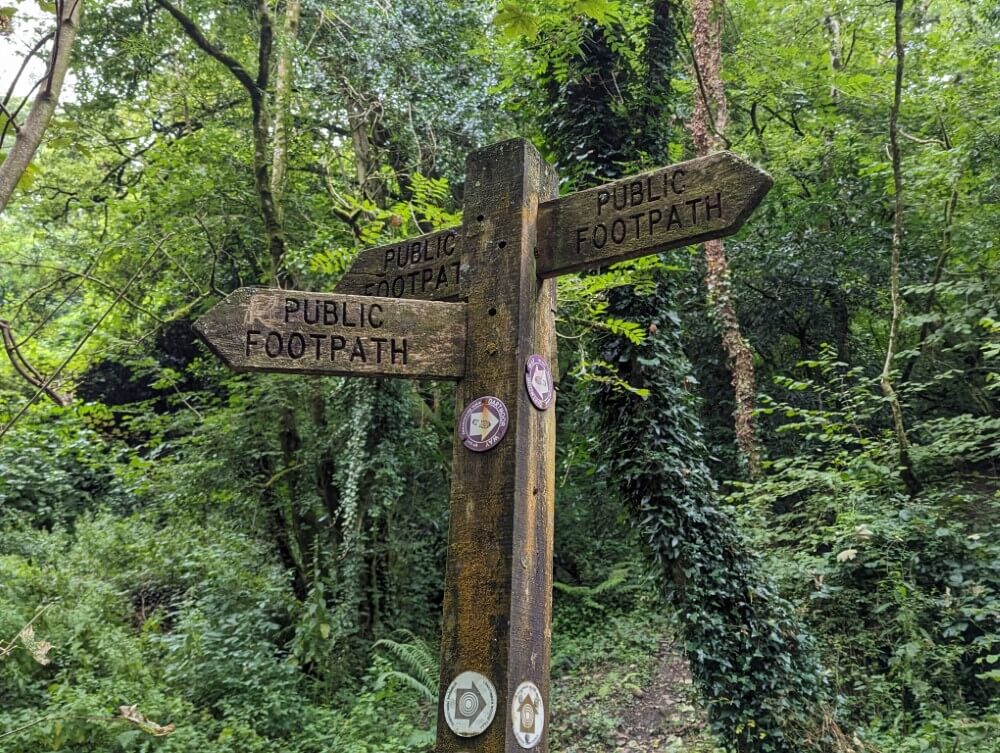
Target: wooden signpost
388	317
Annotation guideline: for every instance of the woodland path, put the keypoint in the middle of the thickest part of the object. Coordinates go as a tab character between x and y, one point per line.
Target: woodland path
662	718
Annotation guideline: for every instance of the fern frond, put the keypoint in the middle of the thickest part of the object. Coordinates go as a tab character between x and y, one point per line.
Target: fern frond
416	661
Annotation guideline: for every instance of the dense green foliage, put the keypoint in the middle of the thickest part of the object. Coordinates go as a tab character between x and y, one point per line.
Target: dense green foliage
257	560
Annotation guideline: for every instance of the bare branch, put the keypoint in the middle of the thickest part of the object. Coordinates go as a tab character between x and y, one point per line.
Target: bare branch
30	134
232	64
28	372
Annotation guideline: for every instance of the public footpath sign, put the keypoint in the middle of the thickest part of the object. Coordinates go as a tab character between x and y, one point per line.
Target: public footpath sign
476	303
269	329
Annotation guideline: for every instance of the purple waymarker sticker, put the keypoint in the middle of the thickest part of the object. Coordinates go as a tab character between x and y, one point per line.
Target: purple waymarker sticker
538	381
483	423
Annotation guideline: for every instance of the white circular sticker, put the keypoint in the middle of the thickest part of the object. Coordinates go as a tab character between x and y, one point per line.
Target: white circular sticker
527	714
470	704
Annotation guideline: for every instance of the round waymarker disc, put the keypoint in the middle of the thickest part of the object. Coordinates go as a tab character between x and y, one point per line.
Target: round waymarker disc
538	381
527	715
483	423
470	704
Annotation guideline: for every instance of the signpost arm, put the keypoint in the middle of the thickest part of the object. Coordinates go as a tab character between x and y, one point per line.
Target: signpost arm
498	583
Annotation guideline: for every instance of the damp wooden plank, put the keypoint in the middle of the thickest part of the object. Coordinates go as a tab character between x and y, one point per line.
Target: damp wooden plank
292	331
427	267
690	202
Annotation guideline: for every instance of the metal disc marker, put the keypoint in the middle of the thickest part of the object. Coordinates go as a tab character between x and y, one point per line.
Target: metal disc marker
470	704
527	715
483	423
538	382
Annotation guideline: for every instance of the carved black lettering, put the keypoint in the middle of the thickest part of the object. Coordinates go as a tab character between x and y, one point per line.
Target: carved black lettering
677	176
397	292
276	351
401	351
442	278
614	195
343	315
296	345
337	342
402	257
693	203
359	351
581	238
329	312
390	254
372	321
675	217
449	243
291	306
251	338
379	342
319	340
412	277
383	292
617	236
458	271
649	190
635	189
305	312
636	218
716	205
603	232
425	277
655	215
416	250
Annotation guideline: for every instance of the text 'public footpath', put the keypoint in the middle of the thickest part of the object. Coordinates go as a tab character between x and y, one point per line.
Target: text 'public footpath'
318	346
651	194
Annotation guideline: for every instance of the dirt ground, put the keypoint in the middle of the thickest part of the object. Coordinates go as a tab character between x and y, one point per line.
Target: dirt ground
661	717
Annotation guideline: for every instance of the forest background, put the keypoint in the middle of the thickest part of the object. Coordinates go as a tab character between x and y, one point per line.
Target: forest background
192	560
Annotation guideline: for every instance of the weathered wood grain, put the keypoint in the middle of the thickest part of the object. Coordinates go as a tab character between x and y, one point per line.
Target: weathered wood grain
498	582
270	329
426	267
704	198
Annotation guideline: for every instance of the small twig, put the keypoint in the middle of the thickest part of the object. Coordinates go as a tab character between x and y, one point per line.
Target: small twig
918	140
24	64
10	118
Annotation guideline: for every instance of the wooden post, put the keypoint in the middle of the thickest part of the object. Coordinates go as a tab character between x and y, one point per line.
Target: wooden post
498	583
497	623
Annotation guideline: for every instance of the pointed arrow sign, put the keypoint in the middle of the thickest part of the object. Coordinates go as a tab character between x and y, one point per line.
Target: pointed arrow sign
425	268
704	198
270	329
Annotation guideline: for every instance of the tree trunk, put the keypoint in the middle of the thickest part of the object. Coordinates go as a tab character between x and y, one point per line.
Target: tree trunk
905	464
283	105
29	135
708	121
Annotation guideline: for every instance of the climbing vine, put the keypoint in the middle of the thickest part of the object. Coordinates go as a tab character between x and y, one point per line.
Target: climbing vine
750	654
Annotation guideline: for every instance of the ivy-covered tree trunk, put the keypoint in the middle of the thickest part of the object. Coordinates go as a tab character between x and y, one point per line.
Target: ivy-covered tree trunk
708	122
750	654
752	658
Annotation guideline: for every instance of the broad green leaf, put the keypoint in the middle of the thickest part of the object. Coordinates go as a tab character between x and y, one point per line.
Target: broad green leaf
516	21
